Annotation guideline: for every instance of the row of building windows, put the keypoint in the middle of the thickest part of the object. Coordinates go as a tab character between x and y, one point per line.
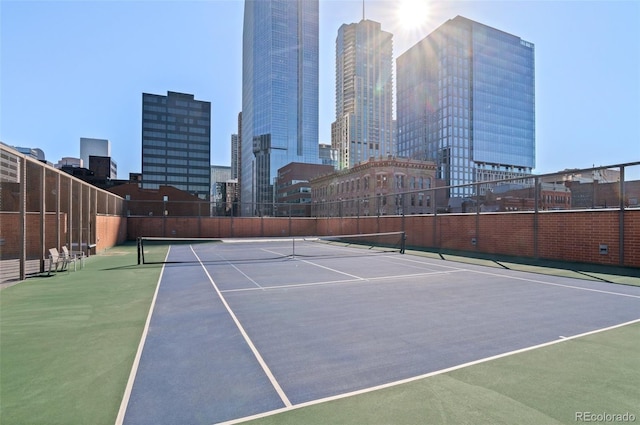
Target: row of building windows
171	127
179	145
183	154
175	161
176	111
191	105
382	182
175	136
412	199
153	177
172	119
175	170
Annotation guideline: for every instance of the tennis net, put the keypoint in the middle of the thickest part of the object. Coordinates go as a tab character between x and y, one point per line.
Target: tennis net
159	250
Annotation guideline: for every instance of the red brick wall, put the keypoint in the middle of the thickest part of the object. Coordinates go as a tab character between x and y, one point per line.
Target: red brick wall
110	231
10	232
455	231
577	235
509	234
420	230
632	238
561	235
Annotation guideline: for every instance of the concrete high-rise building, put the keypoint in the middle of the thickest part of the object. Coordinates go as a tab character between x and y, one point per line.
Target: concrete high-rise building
466	100
364	93
97	147
279	95
176	143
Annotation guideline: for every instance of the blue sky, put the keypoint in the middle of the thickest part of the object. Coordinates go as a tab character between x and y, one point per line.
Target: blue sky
72	69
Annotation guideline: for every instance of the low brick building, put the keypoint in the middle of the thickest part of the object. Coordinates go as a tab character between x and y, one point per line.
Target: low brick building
551	196
166	200
293	190
377	187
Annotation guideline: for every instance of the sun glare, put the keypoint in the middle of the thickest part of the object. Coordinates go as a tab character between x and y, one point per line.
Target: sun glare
412	14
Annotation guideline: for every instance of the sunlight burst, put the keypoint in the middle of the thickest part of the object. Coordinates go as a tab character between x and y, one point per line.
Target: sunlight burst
412	14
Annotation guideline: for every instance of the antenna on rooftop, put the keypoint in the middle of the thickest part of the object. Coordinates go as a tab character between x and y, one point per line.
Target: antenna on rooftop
363	10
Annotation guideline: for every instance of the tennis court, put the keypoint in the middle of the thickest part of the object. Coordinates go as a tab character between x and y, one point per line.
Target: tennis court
244	329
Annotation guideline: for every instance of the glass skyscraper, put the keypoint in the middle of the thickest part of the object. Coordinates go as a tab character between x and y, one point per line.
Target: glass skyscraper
279	95
466	100
176	143
364	93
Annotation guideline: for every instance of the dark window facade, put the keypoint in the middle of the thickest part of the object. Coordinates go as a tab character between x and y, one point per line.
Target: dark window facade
176	143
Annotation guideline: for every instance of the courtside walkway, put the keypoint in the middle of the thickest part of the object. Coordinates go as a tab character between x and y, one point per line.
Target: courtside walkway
67	342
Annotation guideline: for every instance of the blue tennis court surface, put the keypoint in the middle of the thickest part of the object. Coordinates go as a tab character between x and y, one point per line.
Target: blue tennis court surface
241	329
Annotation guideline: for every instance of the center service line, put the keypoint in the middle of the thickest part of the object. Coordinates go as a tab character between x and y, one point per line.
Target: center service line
238	270
261	361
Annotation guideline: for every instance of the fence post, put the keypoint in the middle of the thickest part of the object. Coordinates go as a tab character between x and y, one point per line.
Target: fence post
70	217
58	187
23	220
43	217
478	240
621	220
434	191
536	201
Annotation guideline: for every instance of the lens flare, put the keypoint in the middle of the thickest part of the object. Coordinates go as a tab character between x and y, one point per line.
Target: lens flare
412	14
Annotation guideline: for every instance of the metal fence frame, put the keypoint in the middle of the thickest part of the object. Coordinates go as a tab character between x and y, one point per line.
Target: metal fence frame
436	200
42	207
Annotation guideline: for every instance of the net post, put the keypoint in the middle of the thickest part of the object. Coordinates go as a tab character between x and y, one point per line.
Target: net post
403	242
138	247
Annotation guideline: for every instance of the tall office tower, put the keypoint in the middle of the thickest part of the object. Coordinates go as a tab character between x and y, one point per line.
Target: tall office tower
176	143
466	101
234	156
364	93
97	147
239	158
279	94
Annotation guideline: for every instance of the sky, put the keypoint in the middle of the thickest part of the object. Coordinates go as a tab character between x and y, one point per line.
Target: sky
72	69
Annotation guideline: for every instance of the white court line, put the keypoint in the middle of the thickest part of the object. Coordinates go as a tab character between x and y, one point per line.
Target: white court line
333	282
431	262
136	361
255	351
375	278
424	376
294	285
238	270
620	294
533	280
333	270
